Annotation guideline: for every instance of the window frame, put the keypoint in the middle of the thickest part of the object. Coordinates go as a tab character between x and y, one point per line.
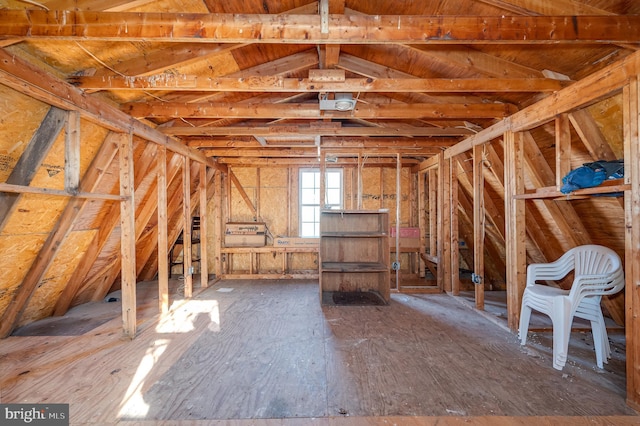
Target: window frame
319	207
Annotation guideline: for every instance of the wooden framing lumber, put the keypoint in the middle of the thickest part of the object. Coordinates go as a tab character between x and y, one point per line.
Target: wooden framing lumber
315	129
72	152
478	225
442	223
19	189
128	237
242	192
203	185
563	148
217	224
187	220
54	241
36	83
453	242
631	112
312	110
249	83
163	240
26	167
342	29
515	226
582	93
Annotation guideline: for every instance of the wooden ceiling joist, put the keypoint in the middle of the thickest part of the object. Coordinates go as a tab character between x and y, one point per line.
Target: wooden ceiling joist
312	152
312	110
296	130
342	29
252	83
338	142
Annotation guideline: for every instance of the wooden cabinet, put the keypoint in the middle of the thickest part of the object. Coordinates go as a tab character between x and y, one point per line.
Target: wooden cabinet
354	256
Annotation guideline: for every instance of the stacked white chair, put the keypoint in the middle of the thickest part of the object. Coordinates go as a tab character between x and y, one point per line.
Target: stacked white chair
597	272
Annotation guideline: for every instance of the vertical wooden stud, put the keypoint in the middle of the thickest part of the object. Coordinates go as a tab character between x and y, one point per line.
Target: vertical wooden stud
398	216
359	181
258	186
323	7
204	223
217	224
290	203
294	183
323	179
515	225
186	229
127	236
227	186
381	189
454	237
72	153
478	224
563	148
631	118
442	225
432	197
422	222
163	238
413	220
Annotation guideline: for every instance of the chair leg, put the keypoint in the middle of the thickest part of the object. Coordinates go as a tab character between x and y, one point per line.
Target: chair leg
589	309
598	342
525	316
561	320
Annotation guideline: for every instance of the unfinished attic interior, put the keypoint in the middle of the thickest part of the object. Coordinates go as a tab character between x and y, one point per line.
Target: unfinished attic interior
166	256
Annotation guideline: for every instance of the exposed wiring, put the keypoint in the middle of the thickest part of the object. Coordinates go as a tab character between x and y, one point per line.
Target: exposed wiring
35	3
101	62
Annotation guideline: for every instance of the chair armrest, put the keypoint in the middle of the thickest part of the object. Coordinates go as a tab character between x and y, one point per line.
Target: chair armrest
606	283
549	271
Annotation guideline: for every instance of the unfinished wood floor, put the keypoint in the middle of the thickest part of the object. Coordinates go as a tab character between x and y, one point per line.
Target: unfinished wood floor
245	352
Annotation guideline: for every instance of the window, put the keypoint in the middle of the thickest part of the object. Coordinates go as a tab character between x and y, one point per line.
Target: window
310	198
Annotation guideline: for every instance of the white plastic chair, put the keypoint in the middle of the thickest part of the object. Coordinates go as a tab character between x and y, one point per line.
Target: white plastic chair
597	271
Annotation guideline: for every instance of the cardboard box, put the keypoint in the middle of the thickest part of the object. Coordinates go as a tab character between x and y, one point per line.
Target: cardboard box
405	242
296	242
406	232
245	228
248	240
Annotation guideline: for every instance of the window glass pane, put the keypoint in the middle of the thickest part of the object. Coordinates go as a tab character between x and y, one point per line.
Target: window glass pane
310	196
333	196
309	230
308	214
333	179
308	180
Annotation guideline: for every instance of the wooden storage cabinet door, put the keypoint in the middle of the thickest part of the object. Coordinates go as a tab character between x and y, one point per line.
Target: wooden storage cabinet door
354	253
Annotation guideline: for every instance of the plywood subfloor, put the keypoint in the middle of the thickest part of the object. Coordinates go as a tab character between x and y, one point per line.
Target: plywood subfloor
254	351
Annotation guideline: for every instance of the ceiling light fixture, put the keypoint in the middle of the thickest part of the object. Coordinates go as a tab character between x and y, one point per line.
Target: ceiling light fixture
340	102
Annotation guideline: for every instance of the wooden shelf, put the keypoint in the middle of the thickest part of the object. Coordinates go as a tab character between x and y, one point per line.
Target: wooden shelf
348	234
354	253
354	267
268	249
607	187
253	272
